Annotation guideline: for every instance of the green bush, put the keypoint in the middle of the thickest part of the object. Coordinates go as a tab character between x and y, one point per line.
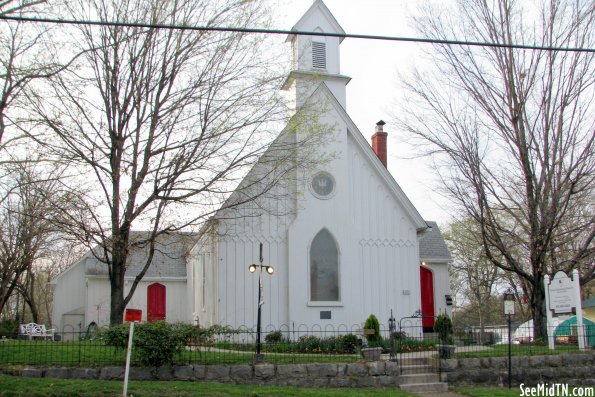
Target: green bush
372	323
155	343
349	343
9	328
274	337
308	344
116	335
343	344
443	327
408	345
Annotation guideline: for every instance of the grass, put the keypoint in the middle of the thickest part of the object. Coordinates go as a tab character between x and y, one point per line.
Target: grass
518	350
45	387
488	391
97	354
60	353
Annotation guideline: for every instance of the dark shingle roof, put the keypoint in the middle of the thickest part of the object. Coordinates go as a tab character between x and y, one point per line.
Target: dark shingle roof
169	259
432	247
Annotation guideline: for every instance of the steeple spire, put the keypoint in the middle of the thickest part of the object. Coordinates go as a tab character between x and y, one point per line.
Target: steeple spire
316	59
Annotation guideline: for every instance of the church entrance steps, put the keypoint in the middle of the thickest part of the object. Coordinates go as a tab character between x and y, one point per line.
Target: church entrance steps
417	369
414	360
422	383
418	363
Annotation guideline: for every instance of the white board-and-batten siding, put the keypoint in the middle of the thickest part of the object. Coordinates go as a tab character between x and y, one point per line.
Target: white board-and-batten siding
377	243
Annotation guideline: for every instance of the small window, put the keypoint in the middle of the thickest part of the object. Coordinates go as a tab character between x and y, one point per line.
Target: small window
324	268
318	55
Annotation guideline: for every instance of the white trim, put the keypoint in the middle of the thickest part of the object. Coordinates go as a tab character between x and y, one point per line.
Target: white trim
318	4
153	279
325	304
373	160
312	75
314	193
82	260
339	274
437	261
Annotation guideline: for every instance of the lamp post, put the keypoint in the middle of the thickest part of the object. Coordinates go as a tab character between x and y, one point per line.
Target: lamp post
509	312
270	270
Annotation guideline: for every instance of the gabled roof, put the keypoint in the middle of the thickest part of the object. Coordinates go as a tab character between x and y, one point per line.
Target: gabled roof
169	259
372	159
432	247
320	7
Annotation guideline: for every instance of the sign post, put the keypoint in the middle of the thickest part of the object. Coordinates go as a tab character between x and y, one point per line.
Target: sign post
548	312
580	327
509	312
132	316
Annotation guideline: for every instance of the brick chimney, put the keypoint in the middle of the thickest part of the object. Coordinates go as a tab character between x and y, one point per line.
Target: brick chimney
379	142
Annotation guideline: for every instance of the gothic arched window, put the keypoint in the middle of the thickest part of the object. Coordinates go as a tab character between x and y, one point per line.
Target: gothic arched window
324	268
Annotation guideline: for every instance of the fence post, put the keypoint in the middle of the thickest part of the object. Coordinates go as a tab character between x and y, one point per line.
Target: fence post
580	327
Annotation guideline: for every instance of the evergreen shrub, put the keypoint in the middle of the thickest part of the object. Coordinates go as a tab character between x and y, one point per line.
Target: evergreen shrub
372	323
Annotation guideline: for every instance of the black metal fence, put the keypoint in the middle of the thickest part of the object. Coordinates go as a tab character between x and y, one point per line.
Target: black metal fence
415	350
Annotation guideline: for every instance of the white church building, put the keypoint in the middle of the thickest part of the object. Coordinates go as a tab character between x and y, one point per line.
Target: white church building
354	245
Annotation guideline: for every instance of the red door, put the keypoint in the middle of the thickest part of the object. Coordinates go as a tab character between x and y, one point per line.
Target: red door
156	302
426	279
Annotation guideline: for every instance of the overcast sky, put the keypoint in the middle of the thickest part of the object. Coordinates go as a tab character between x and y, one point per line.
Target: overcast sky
373	91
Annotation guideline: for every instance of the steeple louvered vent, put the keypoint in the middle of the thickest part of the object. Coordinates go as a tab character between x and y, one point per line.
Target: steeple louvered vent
318	55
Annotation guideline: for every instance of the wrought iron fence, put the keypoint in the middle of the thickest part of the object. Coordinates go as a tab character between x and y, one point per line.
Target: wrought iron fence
414	350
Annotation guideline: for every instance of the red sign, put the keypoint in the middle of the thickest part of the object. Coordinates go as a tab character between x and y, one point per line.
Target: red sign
133	315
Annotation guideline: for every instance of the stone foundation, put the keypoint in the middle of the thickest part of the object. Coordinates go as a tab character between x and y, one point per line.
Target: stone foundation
371	374
572	369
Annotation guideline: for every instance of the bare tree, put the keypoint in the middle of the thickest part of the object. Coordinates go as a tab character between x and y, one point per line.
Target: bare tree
8	7
162	124
513	131
25	56
472	267
25	230
35	288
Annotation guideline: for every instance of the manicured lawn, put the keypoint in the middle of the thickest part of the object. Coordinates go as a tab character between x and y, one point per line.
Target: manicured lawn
489	391
37	352
517	350
97	354
44	387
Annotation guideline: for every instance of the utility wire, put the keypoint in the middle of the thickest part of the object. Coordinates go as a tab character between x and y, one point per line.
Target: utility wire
291	32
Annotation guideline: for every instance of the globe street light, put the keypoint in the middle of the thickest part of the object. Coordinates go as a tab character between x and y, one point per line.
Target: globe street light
270	270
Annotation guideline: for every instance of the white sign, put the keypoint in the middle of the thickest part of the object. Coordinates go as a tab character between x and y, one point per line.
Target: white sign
509	307
562	295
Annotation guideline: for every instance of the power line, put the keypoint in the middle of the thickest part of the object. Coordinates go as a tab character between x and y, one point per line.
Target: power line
292	32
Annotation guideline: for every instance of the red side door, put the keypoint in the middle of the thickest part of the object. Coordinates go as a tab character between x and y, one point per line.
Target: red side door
156	302
427	296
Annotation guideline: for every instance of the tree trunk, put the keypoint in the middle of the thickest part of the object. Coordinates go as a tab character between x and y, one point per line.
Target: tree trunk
28	291
117	296
117	292
538	308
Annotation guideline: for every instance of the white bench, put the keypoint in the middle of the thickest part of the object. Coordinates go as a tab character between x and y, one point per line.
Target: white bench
32	331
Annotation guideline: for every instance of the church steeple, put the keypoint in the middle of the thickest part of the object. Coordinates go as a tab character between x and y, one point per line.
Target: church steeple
316	59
